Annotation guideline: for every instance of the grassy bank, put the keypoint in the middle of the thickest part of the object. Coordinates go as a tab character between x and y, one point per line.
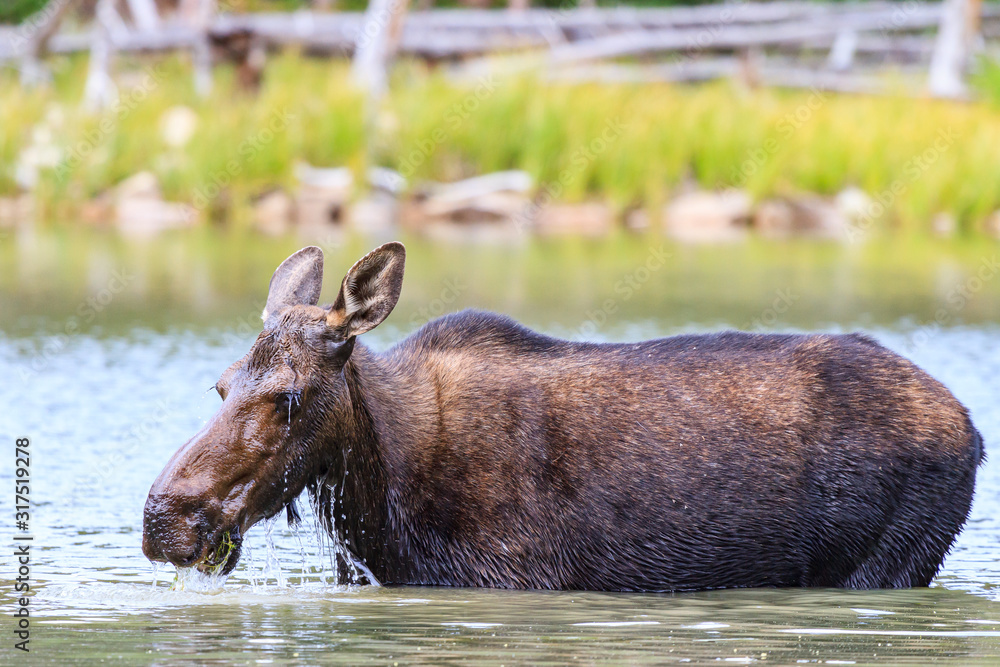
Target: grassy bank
630	144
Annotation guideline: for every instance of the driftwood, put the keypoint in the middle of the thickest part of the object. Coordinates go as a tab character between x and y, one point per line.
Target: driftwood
198	15
447	197
377	44
851	37
897	48
777	75
111	33
843	50
647	42
469	32
959	23
100	89
35	36
144	13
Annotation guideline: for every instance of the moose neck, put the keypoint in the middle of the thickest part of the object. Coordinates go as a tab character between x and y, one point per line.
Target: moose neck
385	405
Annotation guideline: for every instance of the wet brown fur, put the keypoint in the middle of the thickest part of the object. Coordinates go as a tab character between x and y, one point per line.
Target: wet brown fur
479	453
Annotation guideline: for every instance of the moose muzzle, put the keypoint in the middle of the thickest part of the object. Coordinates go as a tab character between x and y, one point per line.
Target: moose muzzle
184	520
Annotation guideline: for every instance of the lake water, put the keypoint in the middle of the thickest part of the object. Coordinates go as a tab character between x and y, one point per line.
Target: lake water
107	349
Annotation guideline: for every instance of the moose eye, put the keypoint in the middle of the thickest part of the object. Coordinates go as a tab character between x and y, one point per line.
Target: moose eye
288	403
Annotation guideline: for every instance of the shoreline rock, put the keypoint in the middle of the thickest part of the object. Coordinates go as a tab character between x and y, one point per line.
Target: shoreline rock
500	207
140	211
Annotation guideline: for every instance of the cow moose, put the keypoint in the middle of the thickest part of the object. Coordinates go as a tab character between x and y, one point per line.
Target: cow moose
477	452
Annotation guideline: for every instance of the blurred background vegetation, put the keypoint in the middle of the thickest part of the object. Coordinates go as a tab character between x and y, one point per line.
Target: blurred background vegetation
926	170
921	158
15	11
671	135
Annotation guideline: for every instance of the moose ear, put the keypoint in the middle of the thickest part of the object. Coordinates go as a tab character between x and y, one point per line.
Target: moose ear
297	281
369	292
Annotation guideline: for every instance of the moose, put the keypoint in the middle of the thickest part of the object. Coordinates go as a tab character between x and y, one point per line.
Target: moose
477	452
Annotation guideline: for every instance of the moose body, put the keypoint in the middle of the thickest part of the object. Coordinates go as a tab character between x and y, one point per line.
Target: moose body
479	453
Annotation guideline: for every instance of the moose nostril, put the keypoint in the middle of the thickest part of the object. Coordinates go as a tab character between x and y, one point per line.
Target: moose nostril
185	561
180	549
171	534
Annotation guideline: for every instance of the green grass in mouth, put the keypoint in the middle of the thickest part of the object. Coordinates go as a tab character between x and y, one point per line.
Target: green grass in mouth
218	558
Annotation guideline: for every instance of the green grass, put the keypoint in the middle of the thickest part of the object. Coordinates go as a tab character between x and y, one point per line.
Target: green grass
940	156
15	11
216	560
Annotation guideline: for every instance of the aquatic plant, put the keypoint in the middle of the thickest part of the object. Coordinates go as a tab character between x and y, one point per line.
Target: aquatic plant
216	560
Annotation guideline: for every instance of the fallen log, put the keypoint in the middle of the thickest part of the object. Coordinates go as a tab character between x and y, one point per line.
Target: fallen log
778	76
647	42
575	34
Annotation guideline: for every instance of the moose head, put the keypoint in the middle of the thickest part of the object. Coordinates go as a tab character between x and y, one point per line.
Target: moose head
285	407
